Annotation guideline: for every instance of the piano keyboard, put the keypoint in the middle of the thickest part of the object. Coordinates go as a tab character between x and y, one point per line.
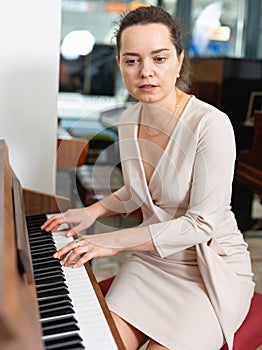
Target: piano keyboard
70	314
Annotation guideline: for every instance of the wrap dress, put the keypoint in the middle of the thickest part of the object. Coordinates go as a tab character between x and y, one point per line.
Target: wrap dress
194	291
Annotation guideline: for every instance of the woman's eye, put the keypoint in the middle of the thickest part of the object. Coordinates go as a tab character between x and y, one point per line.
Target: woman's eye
160	59
131	61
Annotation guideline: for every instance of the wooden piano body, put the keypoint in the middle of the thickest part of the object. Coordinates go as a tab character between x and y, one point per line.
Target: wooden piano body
249	162
19	316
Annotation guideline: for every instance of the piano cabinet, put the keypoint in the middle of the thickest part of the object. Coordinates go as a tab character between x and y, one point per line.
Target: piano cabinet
19	324
249	162
22	275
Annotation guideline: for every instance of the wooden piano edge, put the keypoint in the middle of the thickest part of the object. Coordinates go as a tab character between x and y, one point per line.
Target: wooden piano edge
36	202
105	308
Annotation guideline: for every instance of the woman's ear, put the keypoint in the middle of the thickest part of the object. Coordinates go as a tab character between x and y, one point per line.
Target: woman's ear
117	60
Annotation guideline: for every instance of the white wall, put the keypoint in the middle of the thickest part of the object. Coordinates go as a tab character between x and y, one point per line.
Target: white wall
29	64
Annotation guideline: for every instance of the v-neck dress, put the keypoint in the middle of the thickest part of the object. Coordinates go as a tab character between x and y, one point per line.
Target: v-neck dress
194	291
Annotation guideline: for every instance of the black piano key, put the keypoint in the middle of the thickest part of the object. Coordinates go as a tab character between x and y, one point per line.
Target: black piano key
35	230
43	254
46	265
44	245
51	285
41	239
43	259
40	281
59	325
44	271
66	342
33	233
49	292
67	347
36	218
31	221
43	264
36	233
55	299
51	273
48	247
49	305
50	281
57	311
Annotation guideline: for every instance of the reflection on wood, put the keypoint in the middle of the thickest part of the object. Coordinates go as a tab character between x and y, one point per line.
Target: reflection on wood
37	202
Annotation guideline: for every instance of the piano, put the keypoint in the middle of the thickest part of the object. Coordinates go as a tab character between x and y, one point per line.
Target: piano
249	161
44	305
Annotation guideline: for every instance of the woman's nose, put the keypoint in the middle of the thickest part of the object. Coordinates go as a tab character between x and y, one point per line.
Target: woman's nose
146	69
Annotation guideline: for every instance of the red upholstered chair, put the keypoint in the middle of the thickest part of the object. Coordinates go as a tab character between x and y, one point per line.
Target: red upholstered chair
105	285
248	336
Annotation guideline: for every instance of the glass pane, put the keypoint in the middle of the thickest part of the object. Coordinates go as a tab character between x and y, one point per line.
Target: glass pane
87	60
170	6
218	28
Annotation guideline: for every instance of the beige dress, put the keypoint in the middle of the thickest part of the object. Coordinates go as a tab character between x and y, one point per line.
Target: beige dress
194	291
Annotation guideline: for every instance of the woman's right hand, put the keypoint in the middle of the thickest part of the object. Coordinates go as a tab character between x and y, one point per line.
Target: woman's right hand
77	219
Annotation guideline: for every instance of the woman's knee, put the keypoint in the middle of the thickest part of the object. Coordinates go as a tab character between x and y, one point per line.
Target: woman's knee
131	336
153	345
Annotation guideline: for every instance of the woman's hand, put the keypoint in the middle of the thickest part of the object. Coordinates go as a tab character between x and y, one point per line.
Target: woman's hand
79	219
78	252
105	244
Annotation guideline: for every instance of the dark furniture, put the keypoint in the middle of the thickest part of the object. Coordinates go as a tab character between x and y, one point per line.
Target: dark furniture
249	162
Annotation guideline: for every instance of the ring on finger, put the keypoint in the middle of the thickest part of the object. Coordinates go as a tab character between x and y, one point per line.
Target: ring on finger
77	243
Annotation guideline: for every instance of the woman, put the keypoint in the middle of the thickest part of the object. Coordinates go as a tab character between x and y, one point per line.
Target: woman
188	284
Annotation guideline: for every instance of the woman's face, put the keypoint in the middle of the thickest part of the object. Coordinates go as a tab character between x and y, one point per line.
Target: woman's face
149	64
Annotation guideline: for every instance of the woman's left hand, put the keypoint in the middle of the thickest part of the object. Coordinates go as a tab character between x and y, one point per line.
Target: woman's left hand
85	248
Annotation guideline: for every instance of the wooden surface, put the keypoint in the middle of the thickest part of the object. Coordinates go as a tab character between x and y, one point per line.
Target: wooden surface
19	319
37	203
105	309
71	152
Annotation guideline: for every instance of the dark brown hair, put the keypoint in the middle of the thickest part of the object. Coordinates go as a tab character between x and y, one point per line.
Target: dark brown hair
156	14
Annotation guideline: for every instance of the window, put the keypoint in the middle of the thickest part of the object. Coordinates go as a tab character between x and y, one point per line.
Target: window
218	28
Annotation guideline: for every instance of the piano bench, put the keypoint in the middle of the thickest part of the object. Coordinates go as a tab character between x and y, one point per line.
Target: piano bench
247	337
95	182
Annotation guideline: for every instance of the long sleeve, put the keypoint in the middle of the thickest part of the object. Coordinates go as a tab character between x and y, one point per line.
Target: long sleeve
120	202
210	191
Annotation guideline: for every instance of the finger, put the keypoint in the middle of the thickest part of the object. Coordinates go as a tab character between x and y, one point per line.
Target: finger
70	259
65	250
49	221
54	225
83	259
75	253
72	232
76	229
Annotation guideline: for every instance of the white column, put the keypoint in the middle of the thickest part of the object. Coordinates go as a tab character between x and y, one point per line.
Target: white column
29	66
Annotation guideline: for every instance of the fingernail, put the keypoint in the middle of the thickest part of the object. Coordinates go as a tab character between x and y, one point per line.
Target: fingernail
56	255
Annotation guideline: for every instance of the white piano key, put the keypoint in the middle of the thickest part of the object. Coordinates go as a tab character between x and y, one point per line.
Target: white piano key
94	329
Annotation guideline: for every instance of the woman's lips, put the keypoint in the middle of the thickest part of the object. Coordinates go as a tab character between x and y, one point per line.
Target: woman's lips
147	87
